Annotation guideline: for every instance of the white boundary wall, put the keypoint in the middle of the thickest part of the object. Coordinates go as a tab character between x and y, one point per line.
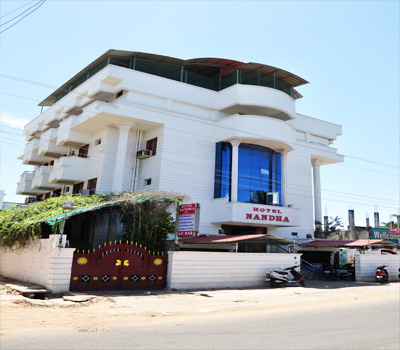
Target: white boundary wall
365	270
204	270
39	262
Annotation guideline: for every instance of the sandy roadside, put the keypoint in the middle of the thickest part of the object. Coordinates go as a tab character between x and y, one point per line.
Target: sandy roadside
104	309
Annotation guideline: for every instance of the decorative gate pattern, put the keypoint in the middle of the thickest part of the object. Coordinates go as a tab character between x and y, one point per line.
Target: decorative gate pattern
118	266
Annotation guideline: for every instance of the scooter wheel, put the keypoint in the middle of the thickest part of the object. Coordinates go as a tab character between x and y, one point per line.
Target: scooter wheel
275	284
303	283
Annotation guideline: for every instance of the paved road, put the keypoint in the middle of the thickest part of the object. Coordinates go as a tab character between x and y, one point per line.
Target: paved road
359	324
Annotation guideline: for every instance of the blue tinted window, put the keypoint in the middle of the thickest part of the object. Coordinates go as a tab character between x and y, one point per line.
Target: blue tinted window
223	169
259	173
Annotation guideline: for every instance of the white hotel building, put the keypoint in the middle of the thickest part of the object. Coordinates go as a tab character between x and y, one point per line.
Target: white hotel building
224	132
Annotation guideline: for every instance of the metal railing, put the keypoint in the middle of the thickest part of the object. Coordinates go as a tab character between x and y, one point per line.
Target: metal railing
308	267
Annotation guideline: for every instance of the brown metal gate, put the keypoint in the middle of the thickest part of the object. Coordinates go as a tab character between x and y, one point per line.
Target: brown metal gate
118	266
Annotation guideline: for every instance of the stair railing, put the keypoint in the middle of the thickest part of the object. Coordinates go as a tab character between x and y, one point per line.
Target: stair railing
308	267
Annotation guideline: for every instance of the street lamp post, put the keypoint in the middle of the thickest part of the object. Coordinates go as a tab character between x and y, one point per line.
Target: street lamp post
65	206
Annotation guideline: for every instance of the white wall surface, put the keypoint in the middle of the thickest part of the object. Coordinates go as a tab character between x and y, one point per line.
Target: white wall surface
39	263
188	122
204	270
365	270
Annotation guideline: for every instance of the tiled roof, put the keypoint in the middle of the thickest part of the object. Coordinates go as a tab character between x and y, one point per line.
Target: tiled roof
233	239
334	243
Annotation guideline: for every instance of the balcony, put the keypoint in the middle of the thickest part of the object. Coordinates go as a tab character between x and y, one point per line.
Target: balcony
40	180
251	214
69	170
47	145
68	137
25	184
258	100
271	132
31	156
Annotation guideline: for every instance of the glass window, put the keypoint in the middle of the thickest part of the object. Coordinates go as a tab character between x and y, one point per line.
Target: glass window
259	173
223	159
151	145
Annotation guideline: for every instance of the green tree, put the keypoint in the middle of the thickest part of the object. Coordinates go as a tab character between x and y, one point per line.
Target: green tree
386	224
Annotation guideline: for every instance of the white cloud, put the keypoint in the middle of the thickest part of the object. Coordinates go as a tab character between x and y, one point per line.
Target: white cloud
9	119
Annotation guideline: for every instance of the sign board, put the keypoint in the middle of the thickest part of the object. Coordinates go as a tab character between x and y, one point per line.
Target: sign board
394	230
187	220
270	215
384	233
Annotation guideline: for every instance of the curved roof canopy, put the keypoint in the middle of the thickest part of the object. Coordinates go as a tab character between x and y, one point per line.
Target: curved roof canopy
210	67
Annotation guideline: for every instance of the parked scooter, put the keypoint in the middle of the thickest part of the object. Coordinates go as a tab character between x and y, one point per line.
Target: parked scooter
281	278
381	274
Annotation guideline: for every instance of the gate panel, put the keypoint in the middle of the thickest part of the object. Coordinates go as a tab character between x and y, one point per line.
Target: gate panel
118	266
152	276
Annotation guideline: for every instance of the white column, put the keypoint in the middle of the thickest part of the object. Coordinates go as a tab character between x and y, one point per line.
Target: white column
235	169
317	190
120	158
283	176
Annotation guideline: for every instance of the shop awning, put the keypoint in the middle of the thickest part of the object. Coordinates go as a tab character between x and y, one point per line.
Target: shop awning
260	238
348	244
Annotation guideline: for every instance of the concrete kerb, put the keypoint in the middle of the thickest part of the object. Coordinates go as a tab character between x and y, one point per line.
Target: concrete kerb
212	300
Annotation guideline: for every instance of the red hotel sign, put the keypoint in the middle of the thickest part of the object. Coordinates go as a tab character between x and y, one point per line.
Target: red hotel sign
266	214
186	220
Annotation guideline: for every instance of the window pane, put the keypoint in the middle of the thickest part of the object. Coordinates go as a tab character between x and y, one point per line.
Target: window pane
222	177
259	173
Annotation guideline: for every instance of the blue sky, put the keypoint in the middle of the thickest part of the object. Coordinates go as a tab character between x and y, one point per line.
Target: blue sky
347	50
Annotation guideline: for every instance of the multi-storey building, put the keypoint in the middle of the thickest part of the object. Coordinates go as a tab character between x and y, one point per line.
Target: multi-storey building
224	132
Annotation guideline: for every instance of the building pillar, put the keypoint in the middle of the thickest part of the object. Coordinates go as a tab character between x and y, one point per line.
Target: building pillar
317	190
376	220
120	158
326	223
283	177
235	170
352	224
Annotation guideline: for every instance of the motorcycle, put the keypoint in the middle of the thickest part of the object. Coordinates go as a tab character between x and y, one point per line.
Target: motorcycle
347	271
330	273
381	274
281	278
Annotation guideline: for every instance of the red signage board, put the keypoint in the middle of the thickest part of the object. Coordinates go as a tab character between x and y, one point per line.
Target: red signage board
394	230
186	220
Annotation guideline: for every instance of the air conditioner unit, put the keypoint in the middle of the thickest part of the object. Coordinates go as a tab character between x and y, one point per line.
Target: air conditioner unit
272	198
146	153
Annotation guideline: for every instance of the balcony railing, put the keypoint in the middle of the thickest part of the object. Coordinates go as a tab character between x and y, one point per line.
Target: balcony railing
69	169
183	75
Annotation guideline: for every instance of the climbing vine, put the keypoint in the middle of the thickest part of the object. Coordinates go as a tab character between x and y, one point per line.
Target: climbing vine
145	216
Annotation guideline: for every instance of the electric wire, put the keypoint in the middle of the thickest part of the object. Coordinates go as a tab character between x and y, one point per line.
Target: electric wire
10	127
2	24
296	155
296	185
199	179
41	3
17	9
54	87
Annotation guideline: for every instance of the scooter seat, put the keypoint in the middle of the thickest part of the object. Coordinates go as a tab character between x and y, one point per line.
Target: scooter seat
282	272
